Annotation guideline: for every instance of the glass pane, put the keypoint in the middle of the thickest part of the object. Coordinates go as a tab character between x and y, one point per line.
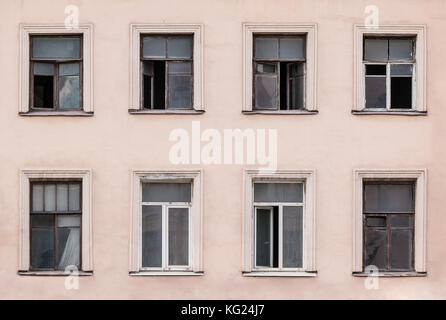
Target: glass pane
69	97
401	92
154	47
402	221
179	48
376	222
376	49
37	197
278	192
44	68
388	198
151	236
62	197
401	249
401	69
50	197
42	220
292	237
375	248
67	69
266	68
166	192
180	92
292	48
42	248
68	221
178	236
263	238
180	67
68	251
266	48
296	86
375	92
74	197
400	49
265	92
147	68
56	47
375	70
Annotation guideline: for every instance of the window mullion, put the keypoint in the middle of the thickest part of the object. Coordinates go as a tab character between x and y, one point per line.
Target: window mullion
280	238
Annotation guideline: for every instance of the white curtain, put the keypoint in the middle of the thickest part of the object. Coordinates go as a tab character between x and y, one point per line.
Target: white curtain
70	255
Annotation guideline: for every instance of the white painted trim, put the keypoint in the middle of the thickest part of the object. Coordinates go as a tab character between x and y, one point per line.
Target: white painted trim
310	29
135	35
419	31
280	274
87	227
196	232
308	177
86	30
420	176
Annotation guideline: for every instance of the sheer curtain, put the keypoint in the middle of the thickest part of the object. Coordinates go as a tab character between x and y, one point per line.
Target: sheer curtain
70	255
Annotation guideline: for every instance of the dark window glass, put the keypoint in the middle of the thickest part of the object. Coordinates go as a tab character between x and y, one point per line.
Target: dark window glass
178	236
278	192
152	236
166	192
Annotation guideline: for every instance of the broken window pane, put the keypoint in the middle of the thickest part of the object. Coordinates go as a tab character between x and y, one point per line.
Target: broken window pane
292	237
375	49
151	236
375	248
56	47
266	92
263	238
278	192
154	47
179	48
400	49
388	198
69	94
375	92
292	48
266	48
401	242
178	236
166	192
401	92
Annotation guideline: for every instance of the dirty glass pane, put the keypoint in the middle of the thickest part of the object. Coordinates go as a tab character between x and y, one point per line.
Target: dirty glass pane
68	251
74	197
375	92
400	49
69	221
154	47
44	69
37	193
42	220
266	92
388	198
166	192
292	48
401	69
151	236
278	192
67	69
180	92
296	86
56	47
375	248
263	238
401	250
69	97
375	49
376	222
402	221
266	68
179	48
292	237
50	197
180	67
42	248
178	236
62	197
266	48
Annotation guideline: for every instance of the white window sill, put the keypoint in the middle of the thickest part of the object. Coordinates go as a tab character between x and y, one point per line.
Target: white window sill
409	112
304	274
165	273
55	273
165	111
281	112
390	274
58	113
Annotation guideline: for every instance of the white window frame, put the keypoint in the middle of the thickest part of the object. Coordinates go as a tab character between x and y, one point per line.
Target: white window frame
136	30
419	69
308	178
310	30
194	177
27	30
26	175
419	176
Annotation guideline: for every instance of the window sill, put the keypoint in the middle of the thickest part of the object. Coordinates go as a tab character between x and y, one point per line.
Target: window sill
56	114
165	273
280	112
178	111
54	273
303	274
390	274
397	112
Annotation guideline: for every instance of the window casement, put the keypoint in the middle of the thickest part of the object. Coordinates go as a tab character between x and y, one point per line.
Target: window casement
279	223
279	69
166	223
55	222
390	70
166	69
56	70
390	222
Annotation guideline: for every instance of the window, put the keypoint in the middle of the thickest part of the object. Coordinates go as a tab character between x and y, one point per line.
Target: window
390	70
166	227
390	222
56	213
279	72
55	223
55	67
279	69
166	69
279	223
56	70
